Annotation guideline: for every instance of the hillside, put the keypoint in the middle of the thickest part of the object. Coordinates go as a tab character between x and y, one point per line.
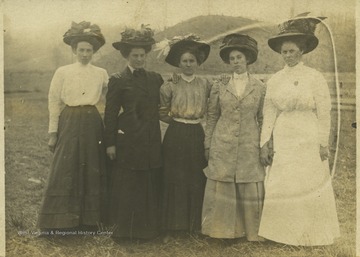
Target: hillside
268	61
37	57
200	26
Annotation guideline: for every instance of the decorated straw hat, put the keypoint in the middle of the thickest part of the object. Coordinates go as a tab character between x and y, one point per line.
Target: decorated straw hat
243	43
299	28
84	31
181	44
131	37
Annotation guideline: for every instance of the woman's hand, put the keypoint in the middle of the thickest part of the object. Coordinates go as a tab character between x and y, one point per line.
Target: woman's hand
175	78
324	153
207	153
111	152
52	141
266	154
116	75
224	78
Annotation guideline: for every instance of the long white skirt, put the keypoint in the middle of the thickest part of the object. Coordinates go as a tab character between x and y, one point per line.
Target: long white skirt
299	206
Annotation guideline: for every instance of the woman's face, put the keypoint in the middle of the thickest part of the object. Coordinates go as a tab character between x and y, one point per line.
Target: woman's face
137	58
237	61
291	53
188	64
84	52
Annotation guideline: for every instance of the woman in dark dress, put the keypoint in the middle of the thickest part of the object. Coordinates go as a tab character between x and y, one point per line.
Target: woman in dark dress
133	140
75	190
183	105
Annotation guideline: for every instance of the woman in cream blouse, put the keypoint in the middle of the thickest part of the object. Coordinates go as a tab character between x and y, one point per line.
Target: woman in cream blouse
74	193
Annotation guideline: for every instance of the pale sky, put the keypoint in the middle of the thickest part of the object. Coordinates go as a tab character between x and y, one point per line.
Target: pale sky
30	15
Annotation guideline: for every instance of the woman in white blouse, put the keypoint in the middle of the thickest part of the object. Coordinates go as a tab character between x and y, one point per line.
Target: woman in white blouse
299	206
73	197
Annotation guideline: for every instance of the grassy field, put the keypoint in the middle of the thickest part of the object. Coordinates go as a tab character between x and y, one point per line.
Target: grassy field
27	163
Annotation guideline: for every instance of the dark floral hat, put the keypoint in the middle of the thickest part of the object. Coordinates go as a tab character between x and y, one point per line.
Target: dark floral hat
132	37
84	31
243	43
174	48
299	28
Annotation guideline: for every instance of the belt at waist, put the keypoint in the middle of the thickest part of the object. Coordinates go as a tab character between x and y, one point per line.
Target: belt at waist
76	106
186	121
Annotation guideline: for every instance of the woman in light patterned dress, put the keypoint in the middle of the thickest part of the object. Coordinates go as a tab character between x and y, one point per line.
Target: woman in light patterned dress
182	106
234	190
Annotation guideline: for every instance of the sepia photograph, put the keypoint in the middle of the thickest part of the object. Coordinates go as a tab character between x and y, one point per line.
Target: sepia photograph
179	128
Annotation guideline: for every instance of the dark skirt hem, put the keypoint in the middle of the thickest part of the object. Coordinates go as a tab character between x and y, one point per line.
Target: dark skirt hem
135	203
76	186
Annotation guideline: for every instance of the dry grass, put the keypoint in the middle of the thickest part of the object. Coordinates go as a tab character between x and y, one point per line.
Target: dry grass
27	158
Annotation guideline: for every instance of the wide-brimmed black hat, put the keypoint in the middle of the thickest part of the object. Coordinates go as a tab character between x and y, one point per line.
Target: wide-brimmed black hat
132	37
84	31
179	45
299	28
243	43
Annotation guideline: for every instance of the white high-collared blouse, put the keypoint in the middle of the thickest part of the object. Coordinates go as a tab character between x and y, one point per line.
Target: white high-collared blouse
298	88
73	85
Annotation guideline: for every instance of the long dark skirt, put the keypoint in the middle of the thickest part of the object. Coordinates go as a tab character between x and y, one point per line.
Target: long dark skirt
184	180
76	184
135	203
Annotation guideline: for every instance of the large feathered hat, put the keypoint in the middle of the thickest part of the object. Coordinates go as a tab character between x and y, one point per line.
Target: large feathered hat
132	37
299	28
84	31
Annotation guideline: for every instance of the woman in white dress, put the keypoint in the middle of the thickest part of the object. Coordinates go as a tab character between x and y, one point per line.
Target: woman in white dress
299	206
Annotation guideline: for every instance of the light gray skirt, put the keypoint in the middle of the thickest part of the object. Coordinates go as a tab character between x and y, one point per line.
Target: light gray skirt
232	210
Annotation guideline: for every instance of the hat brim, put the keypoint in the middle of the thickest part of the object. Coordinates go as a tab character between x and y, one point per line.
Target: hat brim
121	44
100	41
251	54
276	41
177	50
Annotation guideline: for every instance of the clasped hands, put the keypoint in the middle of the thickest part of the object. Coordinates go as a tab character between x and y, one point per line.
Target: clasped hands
324	152
267	153
111	152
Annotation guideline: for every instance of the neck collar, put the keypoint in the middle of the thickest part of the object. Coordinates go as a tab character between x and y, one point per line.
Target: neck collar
187	78
82	65
300	64
242	76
